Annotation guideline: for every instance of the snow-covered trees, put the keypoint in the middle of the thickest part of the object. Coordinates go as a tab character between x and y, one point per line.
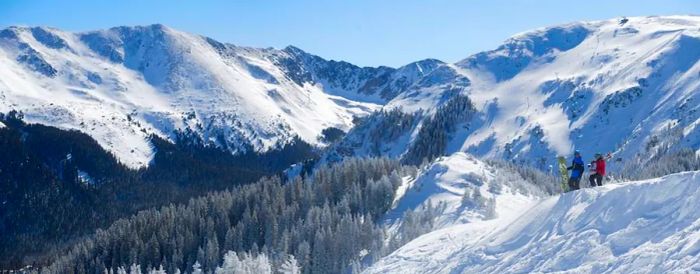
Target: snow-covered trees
433	135
325	221
196	268
244	264
671	162
290	266
473	198
415	223
510	172
374	132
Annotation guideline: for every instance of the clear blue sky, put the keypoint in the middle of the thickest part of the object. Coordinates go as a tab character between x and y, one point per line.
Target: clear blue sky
364	32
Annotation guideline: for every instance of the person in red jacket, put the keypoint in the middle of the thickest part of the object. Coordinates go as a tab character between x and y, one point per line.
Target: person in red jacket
598	169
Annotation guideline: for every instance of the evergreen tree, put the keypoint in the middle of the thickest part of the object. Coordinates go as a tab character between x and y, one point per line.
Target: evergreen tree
290	266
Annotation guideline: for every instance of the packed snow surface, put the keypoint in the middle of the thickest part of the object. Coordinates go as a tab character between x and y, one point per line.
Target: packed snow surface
650	226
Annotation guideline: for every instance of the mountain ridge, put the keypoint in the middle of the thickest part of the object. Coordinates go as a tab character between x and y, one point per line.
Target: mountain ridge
154	79
566	101
572	82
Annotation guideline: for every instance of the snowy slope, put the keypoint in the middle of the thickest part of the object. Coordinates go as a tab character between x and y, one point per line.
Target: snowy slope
636	227
597	86
444	183
627	86
122	84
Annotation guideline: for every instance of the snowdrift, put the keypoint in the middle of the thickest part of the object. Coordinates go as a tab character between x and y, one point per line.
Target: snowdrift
650	226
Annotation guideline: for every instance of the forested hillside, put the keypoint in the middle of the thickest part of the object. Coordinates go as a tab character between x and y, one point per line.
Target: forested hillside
56	185
327	222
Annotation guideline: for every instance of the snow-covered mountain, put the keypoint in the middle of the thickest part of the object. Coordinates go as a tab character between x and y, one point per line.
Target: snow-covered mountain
646	226
629	86
122	84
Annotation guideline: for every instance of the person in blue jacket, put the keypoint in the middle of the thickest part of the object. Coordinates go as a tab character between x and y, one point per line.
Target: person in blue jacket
577	167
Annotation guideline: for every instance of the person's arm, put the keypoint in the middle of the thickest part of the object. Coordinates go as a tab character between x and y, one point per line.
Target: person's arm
608	156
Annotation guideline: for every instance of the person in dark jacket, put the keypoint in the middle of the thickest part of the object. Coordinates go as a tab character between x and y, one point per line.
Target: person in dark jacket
577	169
598	168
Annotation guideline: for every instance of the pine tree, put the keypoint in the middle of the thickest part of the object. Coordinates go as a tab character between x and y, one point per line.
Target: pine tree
197	268
290	266
135	269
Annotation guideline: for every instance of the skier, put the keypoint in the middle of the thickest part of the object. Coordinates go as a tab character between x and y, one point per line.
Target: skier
577	169
598	169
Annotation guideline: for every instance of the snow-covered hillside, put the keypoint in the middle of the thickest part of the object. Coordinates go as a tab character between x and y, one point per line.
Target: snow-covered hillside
122	84
634	227
444	184
629	86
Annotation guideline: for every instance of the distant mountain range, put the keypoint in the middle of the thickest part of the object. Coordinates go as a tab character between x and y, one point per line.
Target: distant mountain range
122	84
629	87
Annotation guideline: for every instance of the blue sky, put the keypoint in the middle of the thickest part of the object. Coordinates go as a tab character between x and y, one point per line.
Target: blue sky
363	32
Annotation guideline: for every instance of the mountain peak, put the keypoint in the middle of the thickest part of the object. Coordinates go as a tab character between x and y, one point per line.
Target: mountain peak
149	27
295	50
424	66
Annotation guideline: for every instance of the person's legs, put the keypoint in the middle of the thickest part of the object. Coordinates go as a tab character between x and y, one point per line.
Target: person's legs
596	180
591	179
577	182
572	185
599	179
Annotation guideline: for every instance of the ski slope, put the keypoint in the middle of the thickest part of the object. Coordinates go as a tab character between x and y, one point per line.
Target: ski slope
649	226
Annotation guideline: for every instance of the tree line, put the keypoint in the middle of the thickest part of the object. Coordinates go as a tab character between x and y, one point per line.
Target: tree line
58	185
326	222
